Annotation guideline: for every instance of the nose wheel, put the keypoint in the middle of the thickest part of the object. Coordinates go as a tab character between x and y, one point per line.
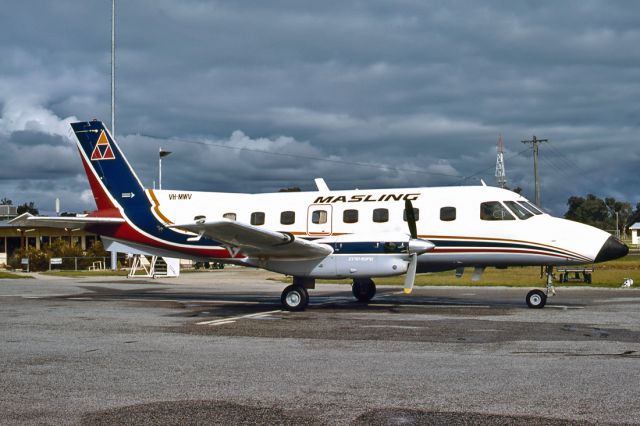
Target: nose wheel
536	299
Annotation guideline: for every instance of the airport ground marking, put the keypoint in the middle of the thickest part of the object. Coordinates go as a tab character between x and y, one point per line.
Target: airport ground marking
233	319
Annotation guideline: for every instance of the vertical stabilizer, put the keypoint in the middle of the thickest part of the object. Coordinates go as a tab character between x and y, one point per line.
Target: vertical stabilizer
113	181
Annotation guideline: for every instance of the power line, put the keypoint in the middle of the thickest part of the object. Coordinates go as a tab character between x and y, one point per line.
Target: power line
491	167
460	178
306	157
561	170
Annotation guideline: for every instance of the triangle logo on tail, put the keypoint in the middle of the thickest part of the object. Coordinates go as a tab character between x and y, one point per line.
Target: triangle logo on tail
103	150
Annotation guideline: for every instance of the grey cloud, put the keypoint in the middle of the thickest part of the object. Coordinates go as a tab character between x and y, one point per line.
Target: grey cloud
413	85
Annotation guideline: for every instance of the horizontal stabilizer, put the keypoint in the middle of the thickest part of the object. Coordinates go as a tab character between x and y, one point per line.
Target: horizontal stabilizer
258	242
71	222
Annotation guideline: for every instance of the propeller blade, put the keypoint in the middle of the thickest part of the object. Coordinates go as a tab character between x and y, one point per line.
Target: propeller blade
410	278
411	218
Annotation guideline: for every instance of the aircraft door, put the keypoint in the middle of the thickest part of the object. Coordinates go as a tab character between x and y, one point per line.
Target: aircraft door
319	220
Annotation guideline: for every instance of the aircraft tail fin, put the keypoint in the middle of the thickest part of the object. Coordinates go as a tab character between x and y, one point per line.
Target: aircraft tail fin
113	182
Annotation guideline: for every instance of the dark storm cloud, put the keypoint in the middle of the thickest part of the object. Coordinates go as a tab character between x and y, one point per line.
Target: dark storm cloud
419	89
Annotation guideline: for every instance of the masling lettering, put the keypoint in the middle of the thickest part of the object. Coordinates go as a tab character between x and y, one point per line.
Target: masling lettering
364	198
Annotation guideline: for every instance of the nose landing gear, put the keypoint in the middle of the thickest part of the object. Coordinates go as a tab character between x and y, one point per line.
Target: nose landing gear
536	299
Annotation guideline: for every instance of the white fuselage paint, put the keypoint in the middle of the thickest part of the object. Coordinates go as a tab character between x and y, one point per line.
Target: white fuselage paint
466	241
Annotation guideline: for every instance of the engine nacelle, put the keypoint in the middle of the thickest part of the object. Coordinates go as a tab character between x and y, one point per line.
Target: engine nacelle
356	256
344	266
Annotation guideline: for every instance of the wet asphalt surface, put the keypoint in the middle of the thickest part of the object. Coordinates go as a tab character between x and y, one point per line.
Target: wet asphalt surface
215	348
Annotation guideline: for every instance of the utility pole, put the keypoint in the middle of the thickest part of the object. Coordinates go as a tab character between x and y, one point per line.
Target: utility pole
113	68
114	254
535	141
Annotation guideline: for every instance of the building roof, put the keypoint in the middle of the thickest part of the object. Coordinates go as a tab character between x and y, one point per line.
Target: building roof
635	226
6	224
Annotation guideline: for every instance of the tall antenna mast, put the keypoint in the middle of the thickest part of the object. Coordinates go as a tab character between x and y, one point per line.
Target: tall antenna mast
113	68
501	172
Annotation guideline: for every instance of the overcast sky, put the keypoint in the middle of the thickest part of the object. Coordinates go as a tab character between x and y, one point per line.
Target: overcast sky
417	90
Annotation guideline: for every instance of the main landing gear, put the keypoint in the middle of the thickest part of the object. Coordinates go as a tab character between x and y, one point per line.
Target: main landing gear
363	289
536	299
296	298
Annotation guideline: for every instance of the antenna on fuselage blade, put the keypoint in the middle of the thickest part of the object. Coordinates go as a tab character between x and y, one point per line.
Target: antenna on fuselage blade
322	185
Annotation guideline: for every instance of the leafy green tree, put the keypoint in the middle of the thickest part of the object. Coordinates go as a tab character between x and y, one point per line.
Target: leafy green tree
590	210
5	202
634	216
28	207
597	212
620	209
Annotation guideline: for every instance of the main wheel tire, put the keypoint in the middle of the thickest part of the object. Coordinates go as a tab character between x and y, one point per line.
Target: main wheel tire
363	289
536	299
294	298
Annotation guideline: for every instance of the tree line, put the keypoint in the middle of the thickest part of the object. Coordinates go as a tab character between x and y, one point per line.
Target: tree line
602	213
29	207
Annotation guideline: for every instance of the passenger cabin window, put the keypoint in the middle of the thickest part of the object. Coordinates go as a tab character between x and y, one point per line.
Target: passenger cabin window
350	216
493	210
381	215
448	214
416	214
319	216
257	218
230	216
533	209
518	210
287	218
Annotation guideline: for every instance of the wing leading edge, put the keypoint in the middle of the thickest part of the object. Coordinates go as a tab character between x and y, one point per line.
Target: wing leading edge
258	242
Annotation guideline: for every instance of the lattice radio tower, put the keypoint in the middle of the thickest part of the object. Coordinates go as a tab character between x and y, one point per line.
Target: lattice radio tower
501	173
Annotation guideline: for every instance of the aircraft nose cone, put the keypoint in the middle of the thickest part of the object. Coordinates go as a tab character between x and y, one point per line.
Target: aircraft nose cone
611	249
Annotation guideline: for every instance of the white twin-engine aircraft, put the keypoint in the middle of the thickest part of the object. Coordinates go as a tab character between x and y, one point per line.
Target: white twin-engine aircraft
330	234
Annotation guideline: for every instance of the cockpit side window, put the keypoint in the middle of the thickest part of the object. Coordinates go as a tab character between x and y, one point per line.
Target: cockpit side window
518	210
493	210
533	209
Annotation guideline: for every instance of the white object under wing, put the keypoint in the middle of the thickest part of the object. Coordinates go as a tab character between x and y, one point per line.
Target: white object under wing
258	242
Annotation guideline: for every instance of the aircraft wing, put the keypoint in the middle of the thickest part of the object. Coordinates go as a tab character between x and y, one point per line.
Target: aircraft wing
258	242
71	222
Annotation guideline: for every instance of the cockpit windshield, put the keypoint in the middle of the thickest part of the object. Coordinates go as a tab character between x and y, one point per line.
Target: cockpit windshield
533	209
493	210
518	210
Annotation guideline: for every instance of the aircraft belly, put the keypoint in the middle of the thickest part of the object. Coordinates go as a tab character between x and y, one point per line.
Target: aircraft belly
433	262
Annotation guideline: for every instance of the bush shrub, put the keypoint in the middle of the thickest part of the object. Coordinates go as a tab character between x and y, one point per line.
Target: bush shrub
39	259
